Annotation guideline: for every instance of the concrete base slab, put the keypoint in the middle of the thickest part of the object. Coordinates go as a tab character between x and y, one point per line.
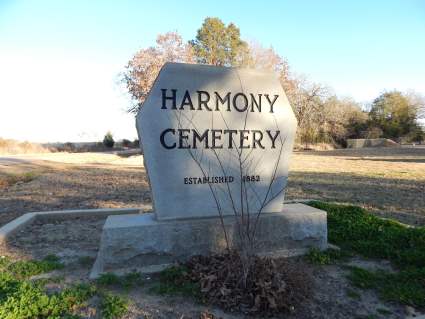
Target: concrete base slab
143	243
17	224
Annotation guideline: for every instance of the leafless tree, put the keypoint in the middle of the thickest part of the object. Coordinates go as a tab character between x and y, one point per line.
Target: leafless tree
245	213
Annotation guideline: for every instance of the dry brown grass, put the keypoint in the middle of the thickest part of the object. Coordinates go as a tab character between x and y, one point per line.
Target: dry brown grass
380	179
12	179
8	146
387	179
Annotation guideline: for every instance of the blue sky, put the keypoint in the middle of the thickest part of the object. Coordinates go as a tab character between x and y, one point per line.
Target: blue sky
59	60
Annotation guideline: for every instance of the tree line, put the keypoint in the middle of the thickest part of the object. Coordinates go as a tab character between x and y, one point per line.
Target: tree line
321	115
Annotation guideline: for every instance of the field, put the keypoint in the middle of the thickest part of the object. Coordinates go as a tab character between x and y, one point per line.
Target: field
390	181
386	180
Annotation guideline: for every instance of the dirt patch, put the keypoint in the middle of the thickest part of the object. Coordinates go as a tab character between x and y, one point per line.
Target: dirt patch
72	239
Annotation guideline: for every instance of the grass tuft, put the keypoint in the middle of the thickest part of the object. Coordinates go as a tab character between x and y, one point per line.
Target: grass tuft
24	269
127	281
108	279
174	281
77	295
113	306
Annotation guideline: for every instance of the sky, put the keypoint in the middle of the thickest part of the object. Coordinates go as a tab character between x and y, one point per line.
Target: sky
60	61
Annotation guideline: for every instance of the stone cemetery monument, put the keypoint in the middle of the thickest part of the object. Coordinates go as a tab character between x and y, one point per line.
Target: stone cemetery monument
217	142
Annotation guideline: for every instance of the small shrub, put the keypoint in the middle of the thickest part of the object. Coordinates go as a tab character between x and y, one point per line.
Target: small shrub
113	307
126	143
108	140
76	296
108	279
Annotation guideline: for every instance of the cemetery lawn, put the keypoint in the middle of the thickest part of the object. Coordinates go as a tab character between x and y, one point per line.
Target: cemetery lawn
390	181
386	181
379	272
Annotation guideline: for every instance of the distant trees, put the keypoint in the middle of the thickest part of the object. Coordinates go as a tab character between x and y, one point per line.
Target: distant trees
322	116
395	114
108	140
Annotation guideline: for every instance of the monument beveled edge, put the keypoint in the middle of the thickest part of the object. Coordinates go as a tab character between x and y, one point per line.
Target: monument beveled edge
213	134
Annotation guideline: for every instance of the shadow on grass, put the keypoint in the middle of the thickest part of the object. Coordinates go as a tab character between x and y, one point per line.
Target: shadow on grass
378	152
375	193
394	160
76	188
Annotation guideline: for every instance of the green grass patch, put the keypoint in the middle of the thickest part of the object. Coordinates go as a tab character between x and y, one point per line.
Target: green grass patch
77	295
174	281
132	279
326	257
356	230
24	298
405	286
113	306
127	281
108	279
23	269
